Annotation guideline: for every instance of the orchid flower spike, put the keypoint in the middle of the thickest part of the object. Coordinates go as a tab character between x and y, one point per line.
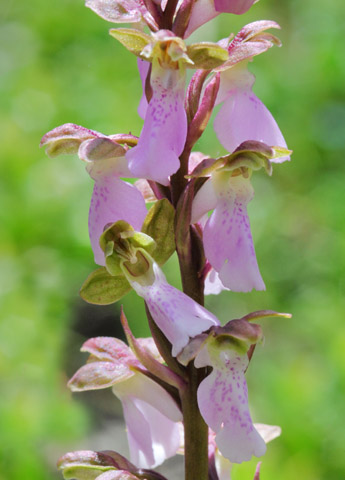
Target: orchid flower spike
163	136
112	199
150	413
204	10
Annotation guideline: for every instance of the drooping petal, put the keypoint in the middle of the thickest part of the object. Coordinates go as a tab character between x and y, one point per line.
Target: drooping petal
163	136
177	315
113	200
228	241
151	417
243	116
223	403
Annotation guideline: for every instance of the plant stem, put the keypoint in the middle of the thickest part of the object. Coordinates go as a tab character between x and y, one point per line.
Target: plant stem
195	430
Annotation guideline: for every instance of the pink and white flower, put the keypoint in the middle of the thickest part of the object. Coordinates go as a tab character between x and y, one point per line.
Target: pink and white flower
243	116
223	403
150	413
112	199
163	136
176	314
227	238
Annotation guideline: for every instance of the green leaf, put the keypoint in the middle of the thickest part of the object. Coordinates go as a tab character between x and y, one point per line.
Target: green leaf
101	288
207	55
134	40
159	224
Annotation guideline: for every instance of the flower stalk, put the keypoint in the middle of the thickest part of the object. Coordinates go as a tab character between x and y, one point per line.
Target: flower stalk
188	380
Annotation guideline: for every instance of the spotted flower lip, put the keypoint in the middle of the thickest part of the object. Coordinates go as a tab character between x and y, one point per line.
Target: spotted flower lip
178	316
227	238
163	136
156	157
223	403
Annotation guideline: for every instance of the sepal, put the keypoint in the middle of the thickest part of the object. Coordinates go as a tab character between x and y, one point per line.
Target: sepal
110	362
159	225
250	154
101	288
116	11
66	139
134	40
249	42
89	465
207	55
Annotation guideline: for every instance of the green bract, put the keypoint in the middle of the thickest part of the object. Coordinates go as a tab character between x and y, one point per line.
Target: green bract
159	224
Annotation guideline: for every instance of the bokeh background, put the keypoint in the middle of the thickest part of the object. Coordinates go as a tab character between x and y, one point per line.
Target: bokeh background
58	65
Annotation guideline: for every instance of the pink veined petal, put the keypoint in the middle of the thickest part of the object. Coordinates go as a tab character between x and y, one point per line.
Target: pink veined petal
177	315
143	68
151	417
152	437
163	136
228	240
113	200
203	11
244	117
223	403
237	7
145	389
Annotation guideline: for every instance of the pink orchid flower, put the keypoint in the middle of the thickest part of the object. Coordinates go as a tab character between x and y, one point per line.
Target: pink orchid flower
243	116
177	315
223	403
112	199
227	238
163	136
151	414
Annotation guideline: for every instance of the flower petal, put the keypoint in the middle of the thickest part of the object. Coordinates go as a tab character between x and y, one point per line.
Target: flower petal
244	117
177	315
116	11
151	417
213	284
113	200
237	7
163	136
143	68
223	403
228	241
203	11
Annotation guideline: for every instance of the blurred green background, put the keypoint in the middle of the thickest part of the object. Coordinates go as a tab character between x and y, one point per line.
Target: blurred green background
58	65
